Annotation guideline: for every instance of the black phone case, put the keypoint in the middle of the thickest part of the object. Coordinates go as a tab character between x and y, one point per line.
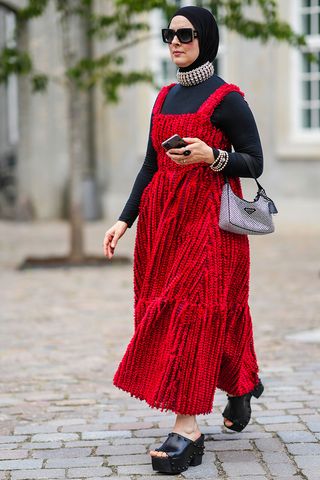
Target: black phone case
174	142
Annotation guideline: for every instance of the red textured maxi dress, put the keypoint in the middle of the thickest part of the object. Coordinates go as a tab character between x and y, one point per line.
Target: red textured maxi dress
192	322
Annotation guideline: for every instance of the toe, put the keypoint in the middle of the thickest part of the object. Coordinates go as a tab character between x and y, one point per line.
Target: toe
227	422
156	453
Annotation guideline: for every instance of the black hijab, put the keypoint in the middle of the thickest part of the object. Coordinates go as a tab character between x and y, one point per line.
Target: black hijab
205	23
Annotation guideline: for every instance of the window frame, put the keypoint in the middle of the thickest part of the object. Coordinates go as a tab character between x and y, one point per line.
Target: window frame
297	88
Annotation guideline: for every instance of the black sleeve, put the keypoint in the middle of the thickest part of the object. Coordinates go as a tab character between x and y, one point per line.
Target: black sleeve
148	169
234	116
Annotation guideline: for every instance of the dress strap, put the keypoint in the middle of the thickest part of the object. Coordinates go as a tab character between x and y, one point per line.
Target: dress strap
216	97
161	97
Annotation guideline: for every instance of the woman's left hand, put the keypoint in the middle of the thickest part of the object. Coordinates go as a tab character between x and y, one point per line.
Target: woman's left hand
199	152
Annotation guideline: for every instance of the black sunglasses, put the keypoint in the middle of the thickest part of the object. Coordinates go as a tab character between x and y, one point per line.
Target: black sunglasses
185	35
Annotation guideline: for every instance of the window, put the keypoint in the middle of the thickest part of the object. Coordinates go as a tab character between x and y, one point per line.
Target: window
310	71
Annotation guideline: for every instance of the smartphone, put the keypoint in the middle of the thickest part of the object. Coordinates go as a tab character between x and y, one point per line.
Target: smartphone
174	142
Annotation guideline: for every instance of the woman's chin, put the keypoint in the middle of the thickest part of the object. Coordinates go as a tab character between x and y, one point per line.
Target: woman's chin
181	63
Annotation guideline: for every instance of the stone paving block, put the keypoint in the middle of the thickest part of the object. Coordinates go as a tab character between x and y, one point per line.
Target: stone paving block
62	453
35	474
236	456
11	454
314	426
282	469
161	476
4	401
307	461
84	428
240	463
60	422
120	449
89	472
277	419
310	474
12	438
41	445
301	411
250	477
76	402
269	445
100	435
268	413
136	470
276	457
88	443
20	464
8	446
52	437
228	445
283	427
245	469
294	437
74	462
110	417
311	418
304	448
207	469
130	426
156	432
138	459
134	441
35	428
241	436
283	405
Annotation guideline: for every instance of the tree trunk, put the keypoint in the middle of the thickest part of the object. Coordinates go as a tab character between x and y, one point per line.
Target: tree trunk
74	44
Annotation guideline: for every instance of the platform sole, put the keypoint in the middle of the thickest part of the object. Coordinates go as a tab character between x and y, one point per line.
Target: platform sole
174	465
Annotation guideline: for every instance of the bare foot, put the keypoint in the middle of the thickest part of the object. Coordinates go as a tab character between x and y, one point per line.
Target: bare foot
227	422
192	433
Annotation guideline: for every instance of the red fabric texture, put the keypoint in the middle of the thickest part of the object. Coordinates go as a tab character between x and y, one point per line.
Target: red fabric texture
192	322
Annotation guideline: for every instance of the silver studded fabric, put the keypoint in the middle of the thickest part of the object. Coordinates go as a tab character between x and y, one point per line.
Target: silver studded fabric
195	76
238	215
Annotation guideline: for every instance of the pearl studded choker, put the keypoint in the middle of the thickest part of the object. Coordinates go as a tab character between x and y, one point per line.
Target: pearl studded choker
195	76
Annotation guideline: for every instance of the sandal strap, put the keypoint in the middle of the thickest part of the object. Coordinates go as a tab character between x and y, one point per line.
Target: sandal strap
173	444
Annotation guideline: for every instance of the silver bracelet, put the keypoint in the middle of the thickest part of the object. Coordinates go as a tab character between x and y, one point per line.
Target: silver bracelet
221	161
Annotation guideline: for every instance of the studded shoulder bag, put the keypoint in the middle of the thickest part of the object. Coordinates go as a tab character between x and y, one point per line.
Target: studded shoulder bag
241	216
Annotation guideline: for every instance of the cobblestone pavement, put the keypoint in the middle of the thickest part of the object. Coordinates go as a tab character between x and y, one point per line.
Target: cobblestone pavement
63	333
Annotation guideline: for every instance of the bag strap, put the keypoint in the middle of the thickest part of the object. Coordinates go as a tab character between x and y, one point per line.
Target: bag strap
249	165
261	191
244	155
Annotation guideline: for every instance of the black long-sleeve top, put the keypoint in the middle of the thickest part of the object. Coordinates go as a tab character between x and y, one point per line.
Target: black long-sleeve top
233	116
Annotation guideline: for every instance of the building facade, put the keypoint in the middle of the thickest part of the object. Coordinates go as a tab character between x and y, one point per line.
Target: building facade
281	86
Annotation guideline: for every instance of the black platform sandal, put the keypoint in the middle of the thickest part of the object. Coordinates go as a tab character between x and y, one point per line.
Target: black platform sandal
238	409
181	452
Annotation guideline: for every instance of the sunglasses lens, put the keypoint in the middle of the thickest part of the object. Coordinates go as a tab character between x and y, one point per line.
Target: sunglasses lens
185	35
167	35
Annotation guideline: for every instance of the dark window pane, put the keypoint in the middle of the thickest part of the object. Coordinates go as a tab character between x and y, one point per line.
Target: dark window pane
306	24
306	65
306	90
306	118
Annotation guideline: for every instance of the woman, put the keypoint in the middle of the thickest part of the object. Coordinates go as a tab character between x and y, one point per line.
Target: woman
193	329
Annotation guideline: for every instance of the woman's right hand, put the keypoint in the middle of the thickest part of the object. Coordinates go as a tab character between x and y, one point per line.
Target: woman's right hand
112	236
